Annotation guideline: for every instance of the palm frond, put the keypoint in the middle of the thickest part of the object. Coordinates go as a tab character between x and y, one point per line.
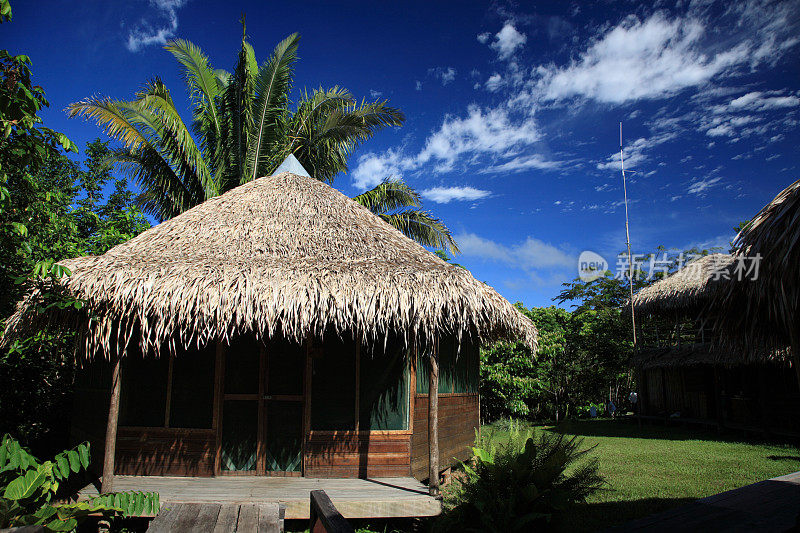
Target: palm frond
237	110
272	86
111	116
422	227
200	78
329	125
163	193
388	196
155	107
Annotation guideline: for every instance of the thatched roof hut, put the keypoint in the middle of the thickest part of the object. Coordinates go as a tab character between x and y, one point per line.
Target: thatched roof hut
688	294
283	253
763	311
281	301
687	289
686	371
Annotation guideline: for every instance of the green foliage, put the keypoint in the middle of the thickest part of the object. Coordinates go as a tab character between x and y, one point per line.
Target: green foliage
508	380
584	355
514	383
522	484
28	490
50	209
399	205
66	215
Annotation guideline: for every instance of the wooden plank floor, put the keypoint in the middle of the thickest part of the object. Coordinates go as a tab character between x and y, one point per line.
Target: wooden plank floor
228	518
354	498
771	505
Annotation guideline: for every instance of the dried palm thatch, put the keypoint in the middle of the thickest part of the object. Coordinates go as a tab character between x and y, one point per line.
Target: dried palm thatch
687	290
673	357
283	253
704	354
763	312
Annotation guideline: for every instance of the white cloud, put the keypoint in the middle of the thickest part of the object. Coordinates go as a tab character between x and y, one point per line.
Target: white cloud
444	195
635	152
637	59
146	33
719	131
487	140
445	75
506	41
520	163
373	168
375	94
661	55
753	113
418	85
699	186
758	101
494	82
484	37
482	131
529	254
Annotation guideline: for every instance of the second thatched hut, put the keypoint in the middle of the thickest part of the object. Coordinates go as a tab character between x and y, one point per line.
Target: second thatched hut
686	372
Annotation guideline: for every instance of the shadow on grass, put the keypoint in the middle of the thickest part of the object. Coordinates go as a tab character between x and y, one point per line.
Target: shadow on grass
631	430
784	458
603	515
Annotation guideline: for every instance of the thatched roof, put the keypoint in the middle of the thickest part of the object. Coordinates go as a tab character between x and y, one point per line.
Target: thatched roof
286	253
702	354
765	312
687	289
667	357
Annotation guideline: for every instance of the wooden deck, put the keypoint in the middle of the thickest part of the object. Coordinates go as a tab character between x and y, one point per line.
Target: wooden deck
354	498
213	517
771	505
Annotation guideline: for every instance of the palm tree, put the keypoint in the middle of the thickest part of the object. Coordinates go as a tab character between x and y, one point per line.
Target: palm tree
243	128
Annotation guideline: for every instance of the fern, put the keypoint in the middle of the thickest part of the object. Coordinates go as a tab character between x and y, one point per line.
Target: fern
522	484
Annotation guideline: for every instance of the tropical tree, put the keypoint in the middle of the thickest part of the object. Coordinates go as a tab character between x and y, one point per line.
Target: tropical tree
243	126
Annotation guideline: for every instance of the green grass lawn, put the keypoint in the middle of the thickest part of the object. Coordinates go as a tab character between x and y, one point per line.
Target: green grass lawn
653	468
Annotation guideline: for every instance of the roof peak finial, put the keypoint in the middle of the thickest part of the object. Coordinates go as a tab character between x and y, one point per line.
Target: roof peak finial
291	164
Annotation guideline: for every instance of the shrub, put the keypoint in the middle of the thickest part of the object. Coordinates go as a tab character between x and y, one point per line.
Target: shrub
28	489
522	484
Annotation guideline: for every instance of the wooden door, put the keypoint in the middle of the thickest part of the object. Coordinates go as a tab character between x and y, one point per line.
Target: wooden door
241	406
282	408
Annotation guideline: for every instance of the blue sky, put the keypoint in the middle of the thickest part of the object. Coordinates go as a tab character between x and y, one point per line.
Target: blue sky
512	110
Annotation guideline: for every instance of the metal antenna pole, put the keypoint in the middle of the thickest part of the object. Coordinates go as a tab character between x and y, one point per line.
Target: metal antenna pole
627	233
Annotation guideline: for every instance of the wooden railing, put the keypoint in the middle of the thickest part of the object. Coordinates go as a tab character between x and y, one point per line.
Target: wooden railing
658	332
324	516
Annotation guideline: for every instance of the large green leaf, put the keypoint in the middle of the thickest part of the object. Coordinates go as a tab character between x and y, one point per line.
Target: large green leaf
74	460
26	486
83	454
63	465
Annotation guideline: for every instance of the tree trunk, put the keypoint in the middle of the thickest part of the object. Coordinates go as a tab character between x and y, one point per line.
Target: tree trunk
111	429
433	424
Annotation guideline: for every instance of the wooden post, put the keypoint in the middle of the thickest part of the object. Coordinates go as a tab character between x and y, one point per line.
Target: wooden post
664	394
762	398
718	398
111	429
433	423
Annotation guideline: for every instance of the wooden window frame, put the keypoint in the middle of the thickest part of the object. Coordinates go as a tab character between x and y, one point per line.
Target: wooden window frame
168	405
411	373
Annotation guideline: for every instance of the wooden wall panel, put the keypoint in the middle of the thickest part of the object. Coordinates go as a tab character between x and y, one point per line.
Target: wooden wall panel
655	392
459	417
165	452
351	455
